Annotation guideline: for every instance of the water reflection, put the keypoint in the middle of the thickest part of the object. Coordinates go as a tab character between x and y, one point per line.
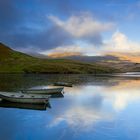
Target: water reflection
126	92
86	106
90	105
15	82
95	108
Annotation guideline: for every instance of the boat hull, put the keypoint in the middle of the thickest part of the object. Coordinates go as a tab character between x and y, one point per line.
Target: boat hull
7	104
27	101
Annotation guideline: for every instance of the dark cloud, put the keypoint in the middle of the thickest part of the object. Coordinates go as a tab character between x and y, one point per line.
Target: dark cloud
95	39
19	22
47	39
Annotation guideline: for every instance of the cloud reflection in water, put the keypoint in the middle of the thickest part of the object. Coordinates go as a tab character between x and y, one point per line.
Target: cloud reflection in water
89	105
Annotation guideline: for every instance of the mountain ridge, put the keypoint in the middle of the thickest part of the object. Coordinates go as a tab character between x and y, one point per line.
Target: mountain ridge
12	61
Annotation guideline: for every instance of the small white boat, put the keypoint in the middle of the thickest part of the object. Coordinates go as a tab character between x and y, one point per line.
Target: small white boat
24	98
43	91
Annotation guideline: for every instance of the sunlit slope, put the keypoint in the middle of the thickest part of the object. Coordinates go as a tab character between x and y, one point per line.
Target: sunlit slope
15	62
132	57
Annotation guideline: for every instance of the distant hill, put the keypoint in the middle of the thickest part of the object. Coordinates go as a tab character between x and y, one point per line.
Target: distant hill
12	61
91	59
118	62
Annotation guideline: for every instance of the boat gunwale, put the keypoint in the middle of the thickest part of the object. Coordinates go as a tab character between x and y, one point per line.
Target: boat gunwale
41	89
46	88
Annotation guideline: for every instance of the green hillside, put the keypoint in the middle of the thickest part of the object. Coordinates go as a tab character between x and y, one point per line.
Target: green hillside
15	62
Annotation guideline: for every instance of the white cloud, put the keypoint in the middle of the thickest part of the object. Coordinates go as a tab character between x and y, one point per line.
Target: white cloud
82	26
120	43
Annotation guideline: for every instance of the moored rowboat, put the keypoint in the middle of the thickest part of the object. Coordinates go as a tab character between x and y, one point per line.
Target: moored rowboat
43	91
21	98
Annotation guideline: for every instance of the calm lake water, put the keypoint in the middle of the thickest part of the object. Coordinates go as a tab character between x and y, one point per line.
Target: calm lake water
95	108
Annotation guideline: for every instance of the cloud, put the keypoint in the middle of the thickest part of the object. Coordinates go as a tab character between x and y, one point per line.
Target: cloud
83	26
72	50
23	24
79	34
121	43
121	46
24	28
19	25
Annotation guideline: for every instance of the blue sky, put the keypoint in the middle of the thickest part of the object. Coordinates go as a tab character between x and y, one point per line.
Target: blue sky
88	27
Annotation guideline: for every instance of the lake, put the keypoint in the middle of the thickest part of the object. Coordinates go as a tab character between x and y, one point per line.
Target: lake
96	107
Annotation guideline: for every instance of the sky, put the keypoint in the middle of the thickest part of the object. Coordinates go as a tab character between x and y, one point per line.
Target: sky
71	27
